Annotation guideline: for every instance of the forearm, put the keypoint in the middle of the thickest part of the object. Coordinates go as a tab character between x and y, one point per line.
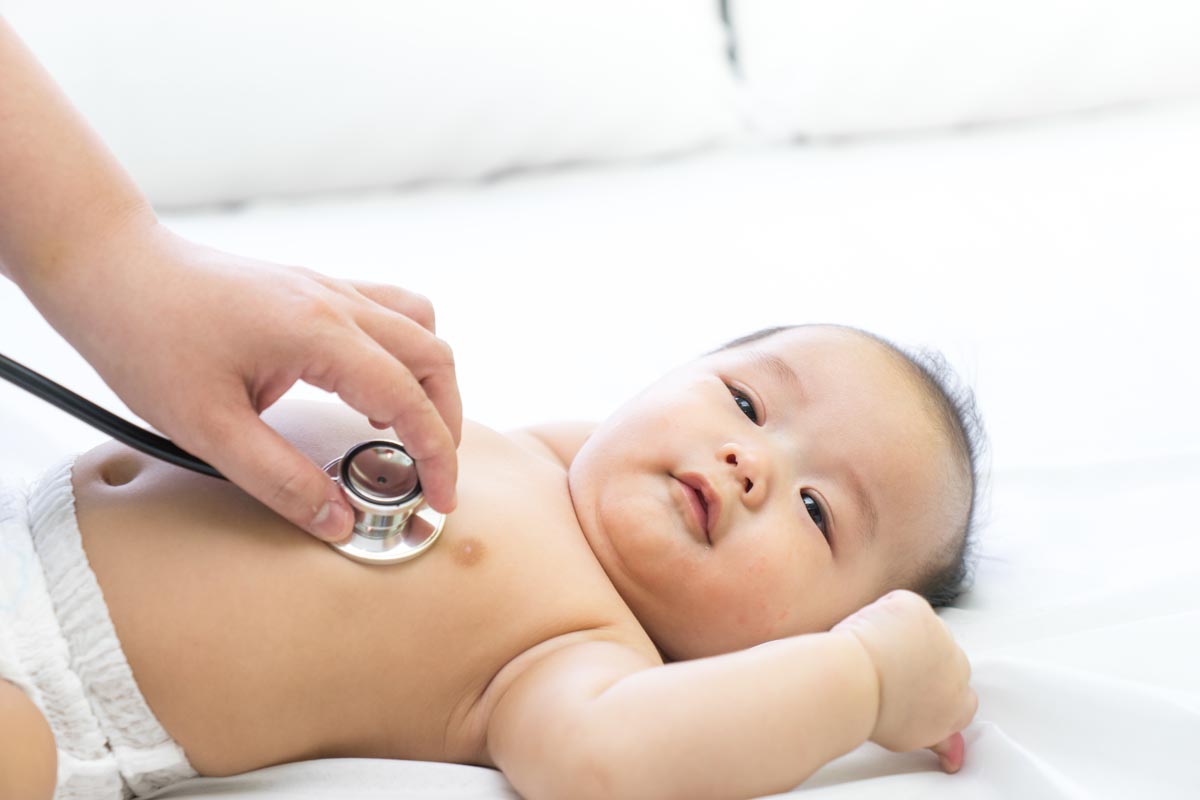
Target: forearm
744	724
61	190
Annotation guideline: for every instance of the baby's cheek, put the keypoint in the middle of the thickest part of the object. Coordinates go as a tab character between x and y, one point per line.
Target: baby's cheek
749	600
782	592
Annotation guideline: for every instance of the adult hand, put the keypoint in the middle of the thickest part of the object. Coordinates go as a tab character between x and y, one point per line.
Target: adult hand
198	342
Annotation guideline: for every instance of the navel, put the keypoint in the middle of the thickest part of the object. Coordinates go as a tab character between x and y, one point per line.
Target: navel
469	551
120	470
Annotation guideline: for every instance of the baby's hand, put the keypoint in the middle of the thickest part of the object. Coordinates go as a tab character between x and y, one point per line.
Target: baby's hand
924	695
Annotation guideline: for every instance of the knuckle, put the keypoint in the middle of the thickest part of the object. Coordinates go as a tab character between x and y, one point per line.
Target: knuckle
322	366
322	281
432	441
434	359
311	311
307	273
434	438
420	310
313	302
443	354
290	493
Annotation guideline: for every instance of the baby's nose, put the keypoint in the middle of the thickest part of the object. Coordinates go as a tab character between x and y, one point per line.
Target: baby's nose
748	471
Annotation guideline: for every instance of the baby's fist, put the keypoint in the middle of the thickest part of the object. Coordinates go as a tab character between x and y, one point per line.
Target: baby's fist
924	695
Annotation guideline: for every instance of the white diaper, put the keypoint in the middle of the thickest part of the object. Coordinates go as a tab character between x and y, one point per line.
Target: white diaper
58	644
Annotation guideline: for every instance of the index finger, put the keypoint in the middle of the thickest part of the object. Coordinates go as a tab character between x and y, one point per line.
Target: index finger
375	384
428	358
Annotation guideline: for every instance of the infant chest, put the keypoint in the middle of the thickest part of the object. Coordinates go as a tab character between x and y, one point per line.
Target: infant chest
511	570
232	618
511	567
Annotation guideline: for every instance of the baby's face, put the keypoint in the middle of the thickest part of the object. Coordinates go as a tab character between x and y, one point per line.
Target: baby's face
767	490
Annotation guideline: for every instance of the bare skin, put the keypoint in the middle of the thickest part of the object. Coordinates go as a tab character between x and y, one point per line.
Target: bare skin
514	642
255	645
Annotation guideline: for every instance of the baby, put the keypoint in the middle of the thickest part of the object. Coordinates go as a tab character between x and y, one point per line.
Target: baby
693	598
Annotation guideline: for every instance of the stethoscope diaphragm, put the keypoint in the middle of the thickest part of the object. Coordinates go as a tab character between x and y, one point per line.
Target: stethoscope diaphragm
392	522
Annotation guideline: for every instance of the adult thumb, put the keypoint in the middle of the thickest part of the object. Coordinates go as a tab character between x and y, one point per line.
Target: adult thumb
950	752
266	466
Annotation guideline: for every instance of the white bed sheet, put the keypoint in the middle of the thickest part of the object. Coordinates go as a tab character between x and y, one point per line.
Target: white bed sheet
1056	264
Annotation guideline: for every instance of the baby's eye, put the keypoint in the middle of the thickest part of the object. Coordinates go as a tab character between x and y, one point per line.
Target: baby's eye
814	511
743	403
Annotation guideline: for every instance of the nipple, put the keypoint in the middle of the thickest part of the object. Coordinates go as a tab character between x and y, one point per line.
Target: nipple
469	552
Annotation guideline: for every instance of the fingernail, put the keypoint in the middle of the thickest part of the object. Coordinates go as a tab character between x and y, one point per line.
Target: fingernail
332	521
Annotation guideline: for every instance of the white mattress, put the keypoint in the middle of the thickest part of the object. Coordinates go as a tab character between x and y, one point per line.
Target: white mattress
1056	264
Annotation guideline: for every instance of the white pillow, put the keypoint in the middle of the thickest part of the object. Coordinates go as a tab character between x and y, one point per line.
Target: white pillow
222	100
844	67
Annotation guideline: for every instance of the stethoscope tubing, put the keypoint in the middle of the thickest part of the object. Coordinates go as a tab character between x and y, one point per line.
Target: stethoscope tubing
101	419
372	541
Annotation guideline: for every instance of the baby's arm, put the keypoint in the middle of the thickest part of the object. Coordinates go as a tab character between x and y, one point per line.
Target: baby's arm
592	721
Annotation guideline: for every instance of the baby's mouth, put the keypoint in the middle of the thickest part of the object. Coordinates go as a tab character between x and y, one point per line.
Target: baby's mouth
697	509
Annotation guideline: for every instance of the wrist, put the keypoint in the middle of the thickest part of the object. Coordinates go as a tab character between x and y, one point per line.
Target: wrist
94	242
91	269
865	675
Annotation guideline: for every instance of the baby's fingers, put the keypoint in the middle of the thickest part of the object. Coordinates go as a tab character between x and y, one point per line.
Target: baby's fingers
950	752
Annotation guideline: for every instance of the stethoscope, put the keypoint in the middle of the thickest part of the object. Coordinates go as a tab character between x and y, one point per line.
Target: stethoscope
392	521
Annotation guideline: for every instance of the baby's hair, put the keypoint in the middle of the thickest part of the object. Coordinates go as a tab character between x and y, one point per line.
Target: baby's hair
958	416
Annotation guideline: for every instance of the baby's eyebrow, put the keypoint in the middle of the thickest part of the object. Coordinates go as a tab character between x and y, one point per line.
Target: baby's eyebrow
777	367
866	509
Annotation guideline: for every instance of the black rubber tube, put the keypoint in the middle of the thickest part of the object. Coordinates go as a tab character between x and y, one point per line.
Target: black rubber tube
101	419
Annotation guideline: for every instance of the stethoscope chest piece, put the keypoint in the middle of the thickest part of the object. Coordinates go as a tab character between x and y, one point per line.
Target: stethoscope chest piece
392	522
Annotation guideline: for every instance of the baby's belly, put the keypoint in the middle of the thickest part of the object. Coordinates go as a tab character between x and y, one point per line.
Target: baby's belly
256	644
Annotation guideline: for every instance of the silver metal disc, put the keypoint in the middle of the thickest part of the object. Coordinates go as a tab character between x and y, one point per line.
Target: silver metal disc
380	472
413	538
418	534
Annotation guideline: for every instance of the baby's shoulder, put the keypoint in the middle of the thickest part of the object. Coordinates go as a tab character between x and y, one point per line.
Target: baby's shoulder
557	441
